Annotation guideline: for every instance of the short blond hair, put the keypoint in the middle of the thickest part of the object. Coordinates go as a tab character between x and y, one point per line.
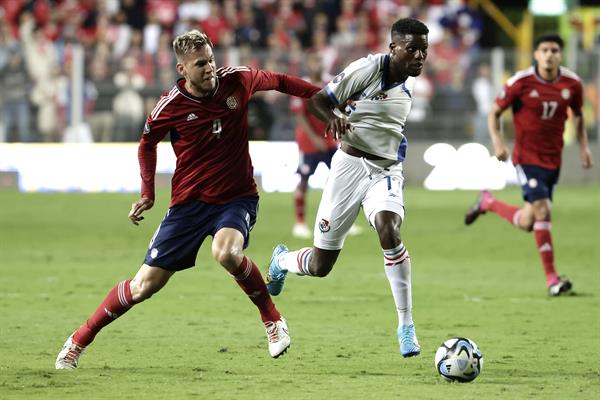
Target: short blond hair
189	42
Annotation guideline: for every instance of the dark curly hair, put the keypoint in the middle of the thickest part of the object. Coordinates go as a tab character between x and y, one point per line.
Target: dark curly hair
409	26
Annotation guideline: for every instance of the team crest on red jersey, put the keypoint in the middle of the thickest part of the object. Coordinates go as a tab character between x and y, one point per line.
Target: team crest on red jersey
232	103
324	225
565	93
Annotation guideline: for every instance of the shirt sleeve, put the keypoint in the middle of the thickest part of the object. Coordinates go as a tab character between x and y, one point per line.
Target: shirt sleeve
353	79
260	80
154	131
508	94
577	100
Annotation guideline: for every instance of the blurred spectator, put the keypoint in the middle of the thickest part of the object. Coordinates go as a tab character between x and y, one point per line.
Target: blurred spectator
42	63
482	90
14	88
128	104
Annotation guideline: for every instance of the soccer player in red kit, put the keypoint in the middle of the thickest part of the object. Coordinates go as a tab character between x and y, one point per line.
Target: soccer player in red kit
540	97
213	189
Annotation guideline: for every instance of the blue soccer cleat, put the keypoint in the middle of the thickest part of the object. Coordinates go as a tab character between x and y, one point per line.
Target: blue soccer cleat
276	276
409	346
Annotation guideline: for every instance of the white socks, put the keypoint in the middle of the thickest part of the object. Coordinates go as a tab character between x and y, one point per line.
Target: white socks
296	261
397	270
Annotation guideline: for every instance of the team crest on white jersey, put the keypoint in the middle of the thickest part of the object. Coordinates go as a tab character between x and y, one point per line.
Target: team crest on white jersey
565	93
534	93
191	117
380	96
339	77
232	103
324	225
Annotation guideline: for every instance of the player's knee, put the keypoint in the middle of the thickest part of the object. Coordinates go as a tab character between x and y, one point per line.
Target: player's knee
142	290
227	257
321	269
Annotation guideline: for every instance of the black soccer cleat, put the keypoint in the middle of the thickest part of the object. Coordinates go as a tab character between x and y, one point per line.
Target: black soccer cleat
476	209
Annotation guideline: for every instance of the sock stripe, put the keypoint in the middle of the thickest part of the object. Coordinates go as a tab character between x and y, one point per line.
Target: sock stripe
515	218
245	273
121	294
542	225
395	256
303	260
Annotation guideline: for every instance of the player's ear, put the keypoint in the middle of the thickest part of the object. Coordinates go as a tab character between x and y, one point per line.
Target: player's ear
179	68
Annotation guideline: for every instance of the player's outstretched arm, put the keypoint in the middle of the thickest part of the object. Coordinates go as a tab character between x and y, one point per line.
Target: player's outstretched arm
500	150
321	106
138	207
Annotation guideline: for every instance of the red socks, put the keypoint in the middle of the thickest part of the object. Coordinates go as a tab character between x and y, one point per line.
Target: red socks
299	198
504	210
543	238
117	302
250	280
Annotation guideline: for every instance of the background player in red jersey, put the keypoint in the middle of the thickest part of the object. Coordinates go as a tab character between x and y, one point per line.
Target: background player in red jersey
540	97
314	146
213	190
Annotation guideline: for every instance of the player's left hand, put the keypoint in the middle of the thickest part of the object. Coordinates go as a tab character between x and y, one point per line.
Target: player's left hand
137	208
586	158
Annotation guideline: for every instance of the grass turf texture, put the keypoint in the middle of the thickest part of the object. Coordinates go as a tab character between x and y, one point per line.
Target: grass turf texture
201	338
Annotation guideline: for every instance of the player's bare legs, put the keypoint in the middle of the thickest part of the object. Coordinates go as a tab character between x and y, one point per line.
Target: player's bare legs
227	249
119	300
398	271
536	217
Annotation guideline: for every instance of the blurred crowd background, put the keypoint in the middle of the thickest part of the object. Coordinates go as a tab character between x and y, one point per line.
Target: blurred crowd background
128	59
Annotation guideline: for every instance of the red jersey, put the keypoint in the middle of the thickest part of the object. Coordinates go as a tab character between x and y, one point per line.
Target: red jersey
209	135
539	114
305	145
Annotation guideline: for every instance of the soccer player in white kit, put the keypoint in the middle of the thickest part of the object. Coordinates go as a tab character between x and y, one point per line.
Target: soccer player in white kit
376	95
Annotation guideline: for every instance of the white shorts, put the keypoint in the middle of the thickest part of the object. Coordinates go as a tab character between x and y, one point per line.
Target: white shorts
354	182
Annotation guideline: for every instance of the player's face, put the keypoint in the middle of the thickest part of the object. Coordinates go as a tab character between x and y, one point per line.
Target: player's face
548	55
408	53
199	70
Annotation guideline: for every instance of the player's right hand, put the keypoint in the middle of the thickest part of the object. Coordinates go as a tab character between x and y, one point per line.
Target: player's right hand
502	153
338	127
137	208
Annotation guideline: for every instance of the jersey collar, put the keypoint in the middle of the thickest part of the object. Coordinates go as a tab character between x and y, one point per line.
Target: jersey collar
539	78
180	85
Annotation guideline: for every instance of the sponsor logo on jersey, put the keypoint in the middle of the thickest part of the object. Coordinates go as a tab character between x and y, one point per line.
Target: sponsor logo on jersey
191	117
232	103
534	93
565	94
324	226
338	78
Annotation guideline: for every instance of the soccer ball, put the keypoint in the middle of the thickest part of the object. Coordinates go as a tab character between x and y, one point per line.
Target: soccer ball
458	360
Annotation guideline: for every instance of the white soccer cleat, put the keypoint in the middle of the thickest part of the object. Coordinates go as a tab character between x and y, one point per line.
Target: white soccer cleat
68	358
301	231
278	337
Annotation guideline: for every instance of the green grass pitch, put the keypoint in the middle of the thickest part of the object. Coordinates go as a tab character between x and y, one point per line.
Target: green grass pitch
200	338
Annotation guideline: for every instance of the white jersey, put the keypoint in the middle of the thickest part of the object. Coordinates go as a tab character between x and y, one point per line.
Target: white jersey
379	111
